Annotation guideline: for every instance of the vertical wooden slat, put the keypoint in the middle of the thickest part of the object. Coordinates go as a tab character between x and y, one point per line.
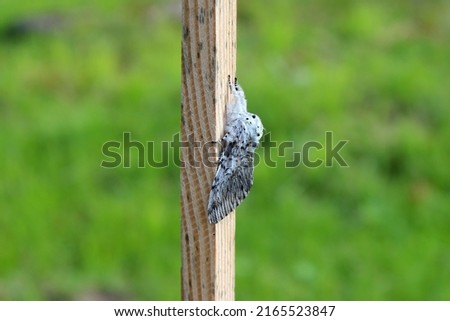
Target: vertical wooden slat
208	57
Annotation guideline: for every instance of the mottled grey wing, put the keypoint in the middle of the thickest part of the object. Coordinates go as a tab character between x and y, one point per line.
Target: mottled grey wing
233	180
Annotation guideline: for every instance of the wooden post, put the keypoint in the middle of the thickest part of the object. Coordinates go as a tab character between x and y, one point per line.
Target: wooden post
208	57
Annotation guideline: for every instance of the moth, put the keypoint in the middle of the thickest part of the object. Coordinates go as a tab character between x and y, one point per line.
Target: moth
234	174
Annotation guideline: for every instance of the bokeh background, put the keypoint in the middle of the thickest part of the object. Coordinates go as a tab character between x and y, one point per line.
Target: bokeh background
75	74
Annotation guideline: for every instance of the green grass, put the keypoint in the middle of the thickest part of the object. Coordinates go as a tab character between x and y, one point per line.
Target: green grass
375	74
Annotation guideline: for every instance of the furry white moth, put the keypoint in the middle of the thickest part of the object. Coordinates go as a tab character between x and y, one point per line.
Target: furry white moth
234	175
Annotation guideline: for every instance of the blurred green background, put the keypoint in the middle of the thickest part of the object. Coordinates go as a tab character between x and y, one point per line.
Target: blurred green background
75	74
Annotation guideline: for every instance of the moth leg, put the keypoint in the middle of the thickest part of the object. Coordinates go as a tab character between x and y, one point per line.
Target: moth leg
239	103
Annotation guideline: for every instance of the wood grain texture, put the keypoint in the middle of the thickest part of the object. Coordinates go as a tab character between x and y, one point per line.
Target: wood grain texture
208	57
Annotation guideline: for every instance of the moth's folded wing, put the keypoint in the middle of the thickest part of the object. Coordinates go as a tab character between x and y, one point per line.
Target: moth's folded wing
231	185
